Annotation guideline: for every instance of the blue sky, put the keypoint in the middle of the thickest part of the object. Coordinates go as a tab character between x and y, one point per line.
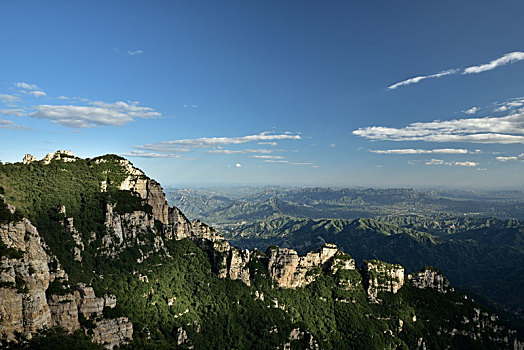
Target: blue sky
340	93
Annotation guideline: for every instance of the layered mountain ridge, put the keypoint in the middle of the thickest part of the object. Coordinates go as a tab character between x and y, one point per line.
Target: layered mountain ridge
101	217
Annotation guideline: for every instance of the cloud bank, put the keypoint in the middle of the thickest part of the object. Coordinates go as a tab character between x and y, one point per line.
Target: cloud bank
452	163
204	142
421	151
505	130
97	114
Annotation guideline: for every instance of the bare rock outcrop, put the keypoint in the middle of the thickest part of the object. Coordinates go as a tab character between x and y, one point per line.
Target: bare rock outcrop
26	303
379	276
430	278
64	311
29	158
65	156
127	230
289	270
148	189
113	332
308	342
24	278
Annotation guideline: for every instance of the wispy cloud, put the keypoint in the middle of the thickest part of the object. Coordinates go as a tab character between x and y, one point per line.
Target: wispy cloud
243	151
452	163
510	104
418	79
302	163
466	163
422	151
190	106
30	89
507	129
97	114
17	112
268	143
511	57
508	58
510	158
275	161
204	142
9	99
472	110
128	52
7	124
26	86
267	157
135	52
36	93
142	154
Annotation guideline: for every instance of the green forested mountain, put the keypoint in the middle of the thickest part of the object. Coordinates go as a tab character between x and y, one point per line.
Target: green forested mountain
104	257
485	255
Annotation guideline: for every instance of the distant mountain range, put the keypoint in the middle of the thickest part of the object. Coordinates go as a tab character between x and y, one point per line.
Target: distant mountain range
221	207
474	237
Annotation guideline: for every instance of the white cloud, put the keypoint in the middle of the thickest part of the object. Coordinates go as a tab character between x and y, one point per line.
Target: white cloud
190	106
135	52
435	162
507	129
204	142
513	103
472	110
26	86
466	163
130	108
303	163
268	143
36	93
8	99
510	158
482	169
142	154
16	112
7	124
99	114
422	77
422	151
238	165
244	151
275	161
511	57
31	89
268	157
452	163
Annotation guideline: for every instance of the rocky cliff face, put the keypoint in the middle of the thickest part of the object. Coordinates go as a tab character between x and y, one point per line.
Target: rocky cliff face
113	332
148	189
430	278
379	276
24	278
26	303
66	156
